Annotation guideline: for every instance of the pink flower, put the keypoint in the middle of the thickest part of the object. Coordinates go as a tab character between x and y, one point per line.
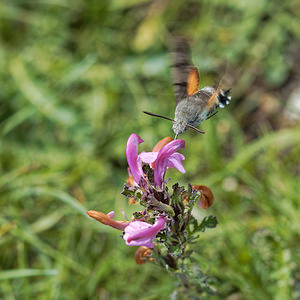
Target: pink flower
139	233
159	159
168	157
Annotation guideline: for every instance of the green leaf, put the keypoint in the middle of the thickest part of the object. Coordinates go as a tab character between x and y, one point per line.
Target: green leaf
208	222
128	191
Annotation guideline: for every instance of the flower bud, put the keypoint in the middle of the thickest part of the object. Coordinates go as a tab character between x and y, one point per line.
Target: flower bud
207	197
130	182
162	143
170	261
159	145
142	255
132	201
107	219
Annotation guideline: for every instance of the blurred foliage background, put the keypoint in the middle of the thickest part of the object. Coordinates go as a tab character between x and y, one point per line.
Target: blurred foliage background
75	77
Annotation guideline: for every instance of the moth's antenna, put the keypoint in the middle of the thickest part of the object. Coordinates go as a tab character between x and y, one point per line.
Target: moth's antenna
194	128
158	116
166	118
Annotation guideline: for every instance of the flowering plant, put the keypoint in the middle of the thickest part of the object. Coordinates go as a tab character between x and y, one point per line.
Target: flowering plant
165	229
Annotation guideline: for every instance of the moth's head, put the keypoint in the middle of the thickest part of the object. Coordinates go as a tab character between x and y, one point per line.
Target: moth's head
224	98
179	127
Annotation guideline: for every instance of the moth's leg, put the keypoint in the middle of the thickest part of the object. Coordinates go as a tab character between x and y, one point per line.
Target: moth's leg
211	115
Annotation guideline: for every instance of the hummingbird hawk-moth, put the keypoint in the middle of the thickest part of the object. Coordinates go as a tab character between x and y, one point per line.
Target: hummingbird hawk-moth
193	106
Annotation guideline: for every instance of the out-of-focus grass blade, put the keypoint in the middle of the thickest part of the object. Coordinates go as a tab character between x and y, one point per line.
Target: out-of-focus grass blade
78	70
6	227
64	197
48	221
12	274
16	119
213	147
13	12
38	97
123	4
10	176
27	235
282	138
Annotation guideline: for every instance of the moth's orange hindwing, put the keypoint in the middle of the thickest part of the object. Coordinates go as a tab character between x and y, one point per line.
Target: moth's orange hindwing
192	81
213	100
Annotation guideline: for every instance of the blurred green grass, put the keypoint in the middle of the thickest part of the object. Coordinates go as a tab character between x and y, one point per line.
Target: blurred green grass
75	76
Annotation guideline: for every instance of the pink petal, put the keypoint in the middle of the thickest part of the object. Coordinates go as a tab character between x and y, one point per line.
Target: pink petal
111	214
162	160
139	233
148	157
138	226
134	162
175	162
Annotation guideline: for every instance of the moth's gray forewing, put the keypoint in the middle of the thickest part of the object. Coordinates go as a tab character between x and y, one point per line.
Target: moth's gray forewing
181	57
204	95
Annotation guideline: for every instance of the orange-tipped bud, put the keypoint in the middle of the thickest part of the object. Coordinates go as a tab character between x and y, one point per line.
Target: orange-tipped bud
132	201
159	145
142	255
207	197
107	220
130	180
186	198
162	143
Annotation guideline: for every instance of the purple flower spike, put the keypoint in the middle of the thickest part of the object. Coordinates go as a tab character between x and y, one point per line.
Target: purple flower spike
167	157
134	162
139	233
